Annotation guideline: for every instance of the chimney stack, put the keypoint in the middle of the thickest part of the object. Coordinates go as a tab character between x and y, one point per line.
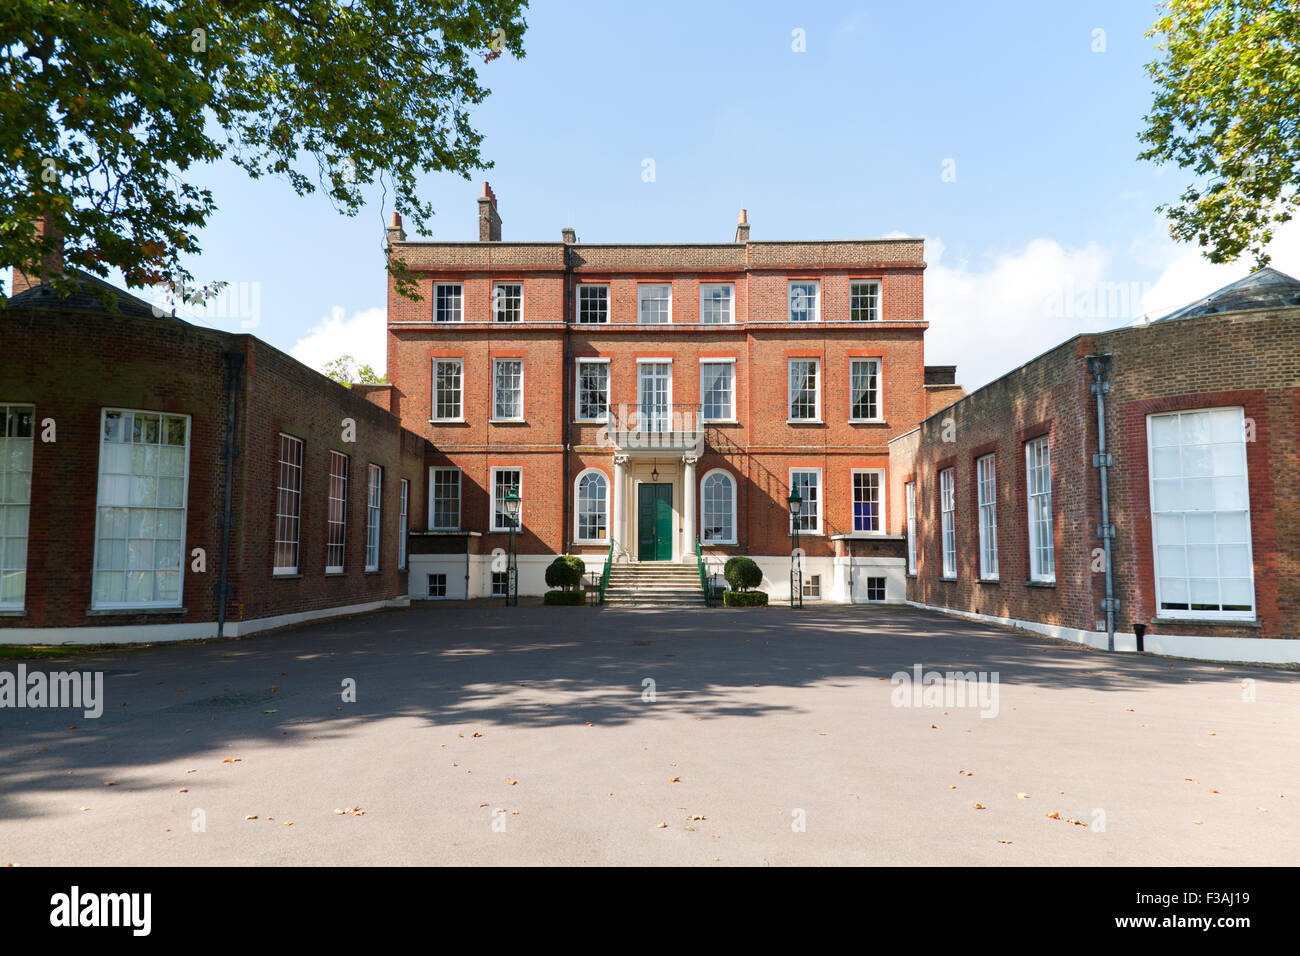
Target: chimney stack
489	223
51	262
742	227
395	231
570	237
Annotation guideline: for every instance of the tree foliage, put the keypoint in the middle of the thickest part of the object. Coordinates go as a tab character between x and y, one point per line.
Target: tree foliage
565	572
112	107
346	370
1227	107
742	573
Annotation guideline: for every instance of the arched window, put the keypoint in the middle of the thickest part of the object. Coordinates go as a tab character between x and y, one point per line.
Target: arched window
718	508
592	506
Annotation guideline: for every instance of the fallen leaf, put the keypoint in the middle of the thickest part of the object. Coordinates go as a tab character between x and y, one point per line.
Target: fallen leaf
979	806
966	773
674	779
232	760
251	816
1212	790
110	783
183	790
661	825
84	809
1005	842
1022	796
695	816
952	786
288	823
1053	815
590	724
478	735
510	783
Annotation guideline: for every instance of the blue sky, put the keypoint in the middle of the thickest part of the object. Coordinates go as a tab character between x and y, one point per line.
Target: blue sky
847	139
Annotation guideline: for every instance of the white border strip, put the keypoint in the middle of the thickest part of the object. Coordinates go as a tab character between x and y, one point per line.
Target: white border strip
1254	650
161	633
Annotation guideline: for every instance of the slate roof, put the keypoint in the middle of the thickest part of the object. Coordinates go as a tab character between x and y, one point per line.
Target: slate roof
1265	288
89	297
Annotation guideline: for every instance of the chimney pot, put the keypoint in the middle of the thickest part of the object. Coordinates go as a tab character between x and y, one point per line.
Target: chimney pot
489	221
570	237
742	227
51	263
397	221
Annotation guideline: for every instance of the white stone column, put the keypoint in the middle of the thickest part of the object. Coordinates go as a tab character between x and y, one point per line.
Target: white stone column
688	499
618	503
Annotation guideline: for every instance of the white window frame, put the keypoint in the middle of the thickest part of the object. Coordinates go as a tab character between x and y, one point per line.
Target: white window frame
577	389
497	299
492	497
706	288
577	509
816	299
812	587
460	302
9	412
184	510
404	525
655	425
909	491
821	501
1156	543
879	299
735	507
817	390
433	388
428	586
374	514
879	389
434	470
718	361
948	523
880	496
1037	573
641	289
496	417
884	589
986	494
280	491
577	303
342	523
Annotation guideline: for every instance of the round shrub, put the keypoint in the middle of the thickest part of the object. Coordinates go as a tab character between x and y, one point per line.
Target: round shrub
565	572
742	573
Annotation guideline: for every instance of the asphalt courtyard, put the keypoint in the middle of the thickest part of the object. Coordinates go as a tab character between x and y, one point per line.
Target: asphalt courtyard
489	735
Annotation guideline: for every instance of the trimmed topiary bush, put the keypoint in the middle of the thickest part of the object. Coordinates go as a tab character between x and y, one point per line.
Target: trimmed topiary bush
745	599
566	572
742	573
567	598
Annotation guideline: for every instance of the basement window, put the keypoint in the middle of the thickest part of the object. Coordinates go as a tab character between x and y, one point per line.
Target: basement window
437	586
875	589
812	586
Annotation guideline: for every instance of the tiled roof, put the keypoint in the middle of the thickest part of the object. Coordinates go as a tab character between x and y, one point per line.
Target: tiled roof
1265	288
89	296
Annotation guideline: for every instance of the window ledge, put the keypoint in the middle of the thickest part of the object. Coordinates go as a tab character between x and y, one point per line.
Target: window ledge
119	611
447	421
374	571
988	580
804	421
867	421
1207	621
507	421
13	612
276	576
590	421
720	421
336	574
949	580
1040	584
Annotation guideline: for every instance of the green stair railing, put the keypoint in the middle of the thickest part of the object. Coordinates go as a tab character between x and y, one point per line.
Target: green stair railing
704	578
604	575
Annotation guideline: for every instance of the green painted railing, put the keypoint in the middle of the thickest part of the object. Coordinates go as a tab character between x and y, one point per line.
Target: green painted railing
704	578
604	575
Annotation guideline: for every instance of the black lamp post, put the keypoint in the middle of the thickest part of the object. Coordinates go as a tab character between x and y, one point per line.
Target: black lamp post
512	569
795	501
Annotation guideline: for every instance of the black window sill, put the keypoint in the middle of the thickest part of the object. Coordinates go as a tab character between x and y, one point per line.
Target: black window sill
285	577
988	580
14	612
1040	584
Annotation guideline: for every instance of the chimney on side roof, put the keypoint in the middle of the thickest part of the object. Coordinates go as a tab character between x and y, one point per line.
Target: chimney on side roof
51	262
742	227
489	223
570	237
395	231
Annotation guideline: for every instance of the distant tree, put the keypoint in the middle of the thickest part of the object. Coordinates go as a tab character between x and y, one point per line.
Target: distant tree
346	370
112	109
1227	88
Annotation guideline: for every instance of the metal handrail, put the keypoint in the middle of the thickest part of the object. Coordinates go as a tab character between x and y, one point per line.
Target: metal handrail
604	575
704	578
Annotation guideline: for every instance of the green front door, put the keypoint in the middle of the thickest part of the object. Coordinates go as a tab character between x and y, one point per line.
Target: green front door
654	540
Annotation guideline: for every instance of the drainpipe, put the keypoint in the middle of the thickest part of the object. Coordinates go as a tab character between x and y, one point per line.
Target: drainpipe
234	375
1099	368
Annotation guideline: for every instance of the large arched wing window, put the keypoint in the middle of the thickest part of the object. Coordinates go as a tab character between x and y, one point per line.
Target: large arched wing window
718	508
592	506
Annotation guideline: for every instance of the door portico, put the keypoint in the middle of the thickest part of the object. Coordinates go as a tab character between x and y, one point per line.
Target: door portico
654	507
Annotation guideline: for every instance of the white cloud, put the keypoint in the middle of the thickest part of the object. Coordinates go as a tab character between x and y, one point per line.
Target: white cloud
987	318
363	335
